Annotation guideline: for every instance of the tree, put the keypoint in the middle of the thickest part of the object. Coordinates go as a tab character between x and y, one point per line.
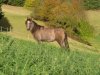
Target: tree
1	13
29	3
92	4
14	2
43	8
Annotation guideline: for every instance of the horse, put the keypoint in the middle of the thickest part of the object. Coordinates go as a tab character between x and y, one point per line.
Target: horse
42	33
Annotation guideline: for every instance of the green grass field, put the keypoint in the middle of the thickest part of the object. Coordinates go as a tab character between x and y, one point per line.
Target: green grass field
21	56
94	19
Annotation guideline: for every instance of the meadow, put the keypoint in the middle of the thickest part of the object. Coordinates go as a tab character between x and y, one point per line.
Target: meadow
21	56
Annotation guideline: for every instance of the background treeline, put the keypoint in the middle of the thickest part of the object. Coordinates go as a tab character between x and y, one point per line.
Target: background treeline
13	2
1	13
88	4
92	4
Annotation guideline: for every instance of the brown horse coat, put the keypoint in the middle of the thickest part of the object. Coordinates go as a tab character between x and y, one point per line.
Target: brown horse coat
41	33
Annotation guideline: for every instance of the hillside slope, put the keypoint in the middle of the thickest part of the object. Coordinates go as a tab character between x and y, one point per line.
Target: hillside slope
17	20
93	16
20	57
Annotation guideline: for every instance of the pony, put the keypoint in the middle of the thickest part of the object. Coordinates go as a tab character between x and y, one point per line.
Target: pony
47	34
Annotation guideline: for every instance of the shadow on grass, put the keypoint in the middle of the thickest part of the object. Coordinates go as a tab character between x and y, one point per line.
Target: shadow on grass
5	25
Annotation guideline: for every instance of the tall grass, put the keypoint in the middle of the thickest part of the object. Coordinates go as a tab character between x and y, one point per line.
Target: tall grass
20	57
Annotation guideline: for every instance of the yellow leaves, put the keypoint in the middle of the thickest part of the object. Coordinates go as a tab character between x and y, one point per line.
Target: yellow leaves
56	9
29	3
52	3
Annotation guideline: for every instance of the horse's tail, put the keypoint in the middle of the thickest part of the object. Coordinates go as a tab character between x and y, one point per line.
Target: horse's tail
66	42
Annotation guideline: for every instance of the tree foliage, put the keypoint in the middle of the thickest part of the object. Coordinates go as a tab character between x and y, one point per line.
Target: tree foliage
1	1
29	3
1	13
14	2
92	4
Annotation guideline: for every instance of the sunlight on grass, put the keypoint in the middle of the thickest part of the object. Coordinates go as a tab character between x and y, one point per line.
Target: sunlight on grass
94	19
26	57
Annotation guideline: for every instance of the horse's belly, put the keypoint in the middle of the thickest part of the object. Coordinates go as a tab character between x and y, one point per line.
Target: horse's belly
48	39
50	36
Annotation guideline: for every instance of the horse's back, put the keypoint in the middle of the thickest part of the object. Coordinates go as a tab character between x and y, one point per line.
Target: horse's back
45	34
59	33
54	33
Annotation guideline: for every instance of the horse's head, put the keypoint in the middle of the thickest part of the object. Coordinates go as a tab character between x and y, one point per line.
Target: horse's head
29	23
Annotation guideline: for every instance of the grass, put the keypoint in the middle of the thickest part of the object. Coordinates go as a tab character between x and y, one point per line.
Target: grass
29	58
93	17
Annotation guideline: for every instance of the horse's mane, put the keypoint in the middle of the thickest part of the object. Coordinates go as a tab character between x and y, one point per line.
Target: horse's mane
34	22
37	26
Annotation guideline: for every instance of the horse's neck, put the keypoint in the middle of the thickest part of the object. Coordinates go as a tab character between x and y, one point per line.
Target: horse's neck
36	27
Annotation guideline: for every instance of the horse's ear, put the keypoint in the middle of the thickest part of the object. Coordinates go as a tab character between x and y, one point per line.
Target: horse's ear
28	17
32	18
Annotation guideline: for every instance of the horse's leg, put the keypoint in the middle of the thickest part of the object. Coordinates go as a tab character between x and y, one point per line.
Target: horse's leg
64	45
39	41
67	45
66	42
37	38
61	43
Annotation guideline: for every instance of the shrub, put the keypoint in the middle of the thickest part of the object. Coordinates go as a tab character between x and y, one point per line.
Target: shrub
15	2
92	4
28	4
1	13
1	1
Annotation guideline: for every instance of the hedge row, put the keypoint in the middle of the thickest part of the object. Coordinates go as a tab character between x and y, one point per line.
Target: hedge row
14	2
1	13
92	4
88	4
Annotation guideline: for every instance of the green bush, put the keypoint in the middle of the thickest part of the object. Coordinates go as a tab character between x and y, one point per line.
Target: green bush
1	1
29	4
1	13
92	4
15	2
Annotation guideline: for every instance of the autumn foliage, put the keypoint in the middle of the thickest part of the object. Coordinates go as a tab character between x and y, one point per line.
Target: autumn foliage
29	3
